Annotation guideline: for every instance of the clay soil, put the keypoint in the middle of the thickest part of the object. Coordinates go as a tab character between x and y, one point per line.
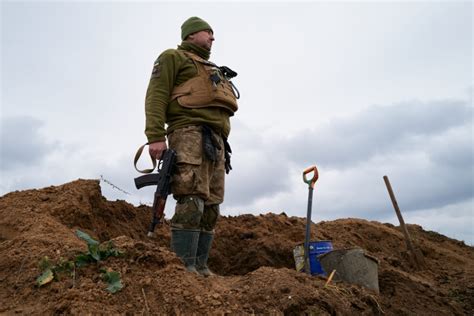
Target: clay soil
252	257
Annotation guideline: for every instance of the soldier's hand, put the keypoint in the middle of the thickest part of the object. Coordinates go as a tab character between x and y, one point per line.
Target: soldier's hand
156	149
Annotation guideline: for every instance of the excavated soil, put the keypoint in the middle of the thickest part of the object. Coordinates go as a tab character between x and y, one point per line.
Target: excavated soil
252	257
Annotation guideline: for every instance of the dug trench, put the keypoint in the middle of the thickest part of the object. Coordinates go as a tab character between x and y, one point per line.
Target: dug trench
252	257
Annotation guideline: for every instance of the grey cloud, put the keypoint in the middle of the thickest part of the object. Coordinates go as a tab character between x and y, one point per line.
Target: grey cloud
254	179
452	149
454	220
21	142
257	168
437	186
427	146
378	130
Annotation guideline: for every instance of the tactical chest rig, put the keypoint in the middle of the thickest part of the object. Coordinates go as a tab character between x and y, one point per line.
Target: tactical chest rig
209	88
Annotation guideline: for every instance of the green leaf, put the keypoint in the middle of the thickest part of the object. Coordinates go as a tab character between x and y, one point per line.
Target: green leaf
92	244
83	259
113	280
109	252
45	278
86	237
94	251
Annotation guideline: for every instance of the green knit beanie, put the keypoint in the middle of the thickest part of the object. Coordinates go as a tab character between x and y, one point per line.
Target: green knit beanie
193	25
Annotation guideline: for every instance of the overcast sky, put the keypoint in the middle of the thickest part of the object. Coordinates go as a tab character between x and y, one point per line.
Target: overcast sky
360	89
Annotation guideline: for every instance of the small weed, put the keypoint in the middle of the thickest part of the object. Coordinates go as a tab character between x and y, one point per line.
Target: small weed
95	253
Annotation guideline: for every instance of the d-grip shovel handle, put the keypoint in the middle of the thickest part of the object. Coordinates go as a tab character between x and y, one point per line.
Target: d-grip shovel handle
313	180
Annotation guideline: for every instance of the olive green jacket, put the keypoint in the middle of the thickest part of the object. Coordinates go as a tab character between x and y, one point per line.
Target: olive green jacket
171	69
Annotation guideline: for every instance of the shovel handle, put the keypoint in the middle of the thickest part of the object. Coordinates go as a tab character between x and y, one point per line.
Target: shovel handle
313	180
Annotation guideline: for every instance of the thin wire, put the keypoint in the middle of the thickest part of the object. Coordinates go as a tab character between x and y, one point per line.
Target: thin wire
113	185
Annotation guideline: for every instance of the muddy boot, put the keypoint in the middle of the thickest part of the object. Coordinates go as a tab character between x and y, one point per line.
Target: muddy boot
204	246
184	243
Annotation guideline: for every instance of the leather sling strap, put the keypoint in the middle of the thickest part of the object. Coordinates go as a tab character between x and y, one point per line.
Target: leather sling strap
137	157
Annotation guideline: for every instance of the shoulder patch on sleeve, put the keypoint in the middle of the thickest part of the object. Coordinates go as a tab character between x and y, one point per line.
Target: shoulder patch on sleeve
155	73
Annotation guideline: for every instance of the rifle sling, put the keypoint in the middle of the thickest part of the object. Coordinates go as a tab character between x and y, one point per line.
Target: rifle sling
137	157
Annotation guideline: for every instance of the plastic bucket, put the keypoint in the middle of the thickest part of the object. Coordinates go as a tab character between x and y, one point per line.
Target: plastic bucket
316	248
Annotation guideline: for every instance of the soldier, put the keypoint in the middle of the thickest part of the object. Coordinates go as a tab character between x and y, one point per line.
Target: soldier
195	99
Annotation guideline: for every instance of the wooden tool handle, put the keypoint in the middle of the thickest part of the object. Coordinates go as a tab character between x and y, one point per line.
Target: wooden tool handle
399	215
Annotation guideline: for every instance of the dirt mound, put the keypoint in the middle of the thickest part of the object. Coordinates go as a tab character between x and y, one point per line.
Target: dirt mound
252	256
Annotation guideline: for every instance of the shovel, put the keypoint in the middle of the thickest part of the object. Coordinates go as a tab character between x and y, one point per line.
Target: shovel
310	183
414	254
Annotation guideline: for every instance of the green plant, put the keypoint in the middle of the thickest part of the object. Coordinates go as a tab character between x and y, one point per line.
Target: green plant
113	280
95	253
54	271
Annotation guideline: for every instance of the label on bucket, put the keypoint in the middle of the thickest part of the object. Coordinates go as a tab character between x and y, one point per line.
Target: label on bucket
320	247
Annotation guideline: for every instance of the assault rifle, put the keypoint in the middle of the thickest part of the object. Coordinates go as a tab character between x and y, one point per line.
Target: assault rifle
162	180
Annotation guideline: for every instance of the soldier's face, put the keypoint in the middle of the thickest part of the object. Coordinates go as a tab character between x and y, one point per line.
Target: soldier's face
203	39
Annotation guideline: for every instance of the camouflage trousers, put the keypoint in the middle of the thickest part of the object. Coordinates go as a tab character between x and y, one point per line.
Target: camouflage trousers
197	183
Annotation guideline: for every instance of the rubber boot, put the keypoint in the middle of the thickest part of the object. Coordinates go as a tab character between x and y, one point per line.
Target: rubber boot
202	255
184	243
